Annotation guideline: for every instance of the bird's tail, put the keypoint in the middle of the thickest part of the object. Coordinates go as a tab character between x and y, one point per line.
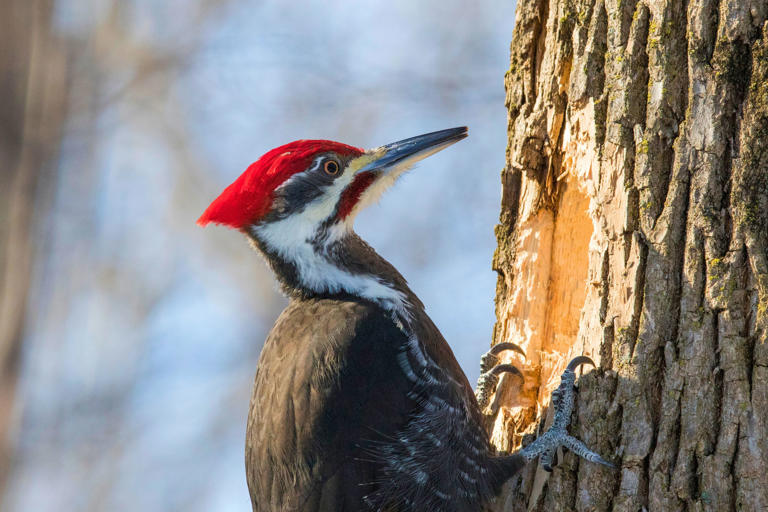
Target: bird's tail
504	467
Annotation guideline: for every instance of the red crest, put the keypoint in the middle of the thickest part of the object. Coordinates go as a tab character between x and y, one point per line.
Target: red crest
250	196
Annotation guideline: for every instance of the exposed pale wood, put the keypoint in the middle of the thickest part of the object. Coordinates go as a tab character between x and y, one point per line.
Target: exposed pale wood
634	229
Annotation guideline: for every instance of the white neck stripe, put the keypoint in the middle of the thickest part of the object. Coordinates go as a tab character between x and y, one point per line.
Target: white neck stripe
291	239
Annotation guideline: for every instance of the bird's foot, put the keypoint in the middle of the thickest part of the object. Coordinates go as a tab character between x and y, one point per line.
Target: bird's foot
563	399
491	371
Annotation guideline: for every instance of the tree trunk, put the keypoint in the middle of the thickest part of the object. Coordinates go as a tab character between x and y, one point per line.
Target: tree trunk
634	229
34	95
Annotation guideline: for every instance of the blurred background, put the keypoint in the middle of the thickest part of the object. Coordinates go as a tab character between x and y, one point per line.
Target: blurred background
128	335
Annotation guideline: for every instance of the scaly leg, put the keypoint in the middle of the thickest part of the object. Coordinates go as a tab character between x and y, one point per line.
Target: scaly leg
491	371
563	399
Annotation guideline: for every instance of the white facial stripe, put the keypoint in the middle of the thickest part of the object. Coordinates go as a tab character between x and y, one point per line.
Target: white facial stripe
292	237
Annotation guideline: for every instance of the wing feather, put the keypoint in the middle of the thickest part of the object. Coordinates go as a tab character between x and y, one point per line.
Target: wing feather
328	388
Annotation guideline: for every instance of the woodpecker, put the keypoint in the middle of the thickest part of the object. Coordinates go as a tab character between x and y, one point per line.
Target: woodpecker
358	401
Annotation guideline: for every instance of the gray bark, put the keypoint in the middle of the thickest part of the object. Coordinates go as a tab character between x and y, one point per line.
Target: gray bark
634	229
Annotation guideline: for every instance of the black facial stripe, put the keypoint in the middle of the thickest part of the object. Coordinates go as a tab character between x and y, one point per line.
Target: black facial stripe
303	188
299	191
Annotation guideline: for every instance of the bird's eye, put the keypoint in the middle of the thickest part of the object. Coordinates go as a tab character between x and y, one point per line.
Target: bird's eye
331	167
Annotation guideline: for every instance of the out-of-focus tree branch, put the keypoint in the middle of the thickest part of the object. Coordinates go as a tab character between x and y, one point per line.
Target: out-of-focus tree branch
33	89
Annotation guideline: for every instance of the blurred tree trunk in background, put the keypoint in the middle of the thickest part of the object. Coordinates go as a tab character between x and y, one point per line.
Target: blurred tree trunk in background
634	229
33	95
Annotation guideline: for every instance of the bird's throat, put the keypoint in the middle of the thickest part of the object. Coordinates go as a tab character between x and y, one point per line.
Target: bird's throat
323	266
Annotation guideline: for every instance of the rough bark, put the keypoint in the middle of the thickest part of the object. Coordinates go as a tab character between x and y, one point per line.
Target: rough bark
34	95
634	229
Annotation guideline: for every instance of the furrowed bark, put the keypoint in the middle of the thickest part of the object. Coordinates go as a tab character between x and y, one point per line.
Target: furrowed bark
634	229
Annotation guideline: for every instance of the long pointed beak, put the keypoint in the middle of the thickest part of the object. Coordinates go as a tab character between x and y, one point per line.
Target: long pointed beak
406	152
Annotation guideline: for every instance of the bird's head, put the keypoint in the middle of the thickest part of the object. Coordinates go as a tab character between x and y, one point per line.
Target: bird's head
298	201
318	184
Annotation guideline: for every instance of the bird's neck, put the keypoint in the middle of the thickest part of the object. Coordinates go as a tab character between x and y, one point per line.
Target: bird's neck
332	264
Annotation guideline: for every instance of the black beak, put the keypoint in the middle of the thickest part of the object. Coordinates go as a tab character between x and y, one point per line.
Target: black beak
409	151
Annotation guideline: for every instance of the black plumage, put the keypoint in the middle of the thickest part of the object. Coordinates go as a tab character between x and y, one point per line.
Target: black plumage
359	402
336	424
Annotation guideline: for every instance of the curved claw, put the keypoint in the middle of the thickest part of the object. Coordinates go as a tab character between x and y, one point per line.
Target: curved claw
578	361
546	448
505	368
491	358
486	384
563	400
501	347
580	449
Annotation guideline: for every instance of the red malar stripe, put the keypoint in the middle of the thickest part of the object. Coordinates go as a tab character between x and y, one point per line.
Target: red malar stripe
352	193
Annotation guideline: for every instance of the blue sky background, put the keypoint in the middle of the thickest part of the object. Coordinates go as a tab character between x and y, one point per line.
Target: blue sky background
145	329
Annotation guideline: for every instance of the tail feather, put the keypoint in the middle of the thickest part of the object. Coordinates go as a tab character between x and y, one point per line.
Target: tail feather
504	467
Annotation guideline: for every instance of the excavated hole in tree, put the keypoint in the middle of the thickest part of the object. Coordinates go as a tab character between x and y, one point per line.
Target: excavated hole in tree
552	258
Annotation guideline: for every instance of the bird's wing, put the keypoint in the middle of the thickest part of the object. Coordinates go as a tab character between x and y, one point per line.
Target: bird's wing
328	389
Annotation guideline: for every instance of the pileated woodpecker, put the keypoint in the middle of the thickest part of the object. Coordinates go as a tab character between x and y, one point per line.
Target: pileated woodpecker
359	403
